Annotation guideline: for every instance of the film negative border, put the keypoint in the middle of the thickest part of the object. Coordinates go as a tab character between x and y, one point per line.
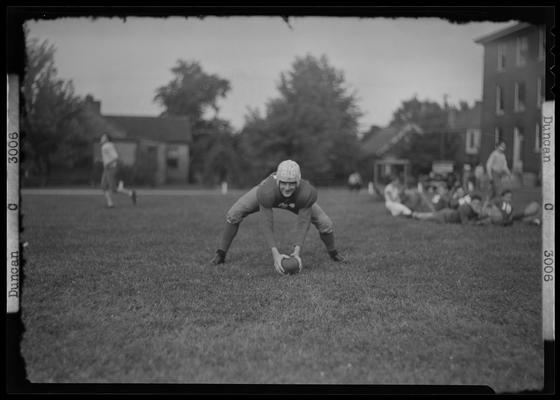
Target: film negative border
548	223
13	277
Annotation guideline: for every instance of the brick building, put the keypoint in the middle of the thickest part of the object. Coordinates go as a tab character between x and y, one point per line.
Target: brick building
512	96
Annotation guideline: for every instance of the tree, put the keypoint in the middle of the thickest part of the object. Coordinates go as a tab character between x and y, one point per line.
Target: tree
434	143
428	115
215	155
58	126
192	92
314	121
49	107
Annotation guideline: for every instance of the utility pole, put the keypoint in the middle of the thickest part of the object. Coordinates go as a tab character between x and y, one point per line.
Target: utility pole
446	126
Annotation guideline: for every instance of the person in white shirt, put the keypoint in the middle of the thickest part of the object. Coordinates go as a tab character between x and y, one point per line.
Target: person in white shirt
393	199
110	159
497	169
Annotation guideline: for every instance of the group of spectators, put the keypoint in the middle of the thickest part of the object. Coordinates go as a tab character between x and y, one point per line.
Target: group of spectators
440	202
477	197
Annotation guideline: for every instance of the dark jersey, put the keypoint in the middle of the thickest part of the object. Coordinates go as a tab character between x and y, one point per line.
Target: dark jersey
269	195
506	209
466	213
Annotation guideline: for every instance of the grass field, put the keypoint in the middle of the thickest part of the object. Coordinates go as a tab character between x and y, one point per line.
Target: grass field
127	295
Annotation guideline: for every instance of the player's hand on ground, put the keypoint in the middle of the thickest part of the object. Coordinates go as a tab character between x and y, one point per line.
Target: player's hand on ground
295	254
278	263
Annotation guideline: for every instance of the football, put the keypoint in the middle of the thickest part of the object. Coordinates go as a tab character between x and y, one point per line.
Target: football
290	265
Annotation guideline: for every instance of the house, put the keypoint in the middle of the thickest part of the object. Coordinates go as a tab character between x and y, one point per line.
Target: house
157	145
512	96
385	140
381	150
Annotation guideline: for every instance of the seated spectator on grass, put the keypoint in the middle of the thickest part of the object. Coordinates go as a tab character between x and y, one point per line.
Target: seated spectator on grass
393	193
468	178
451	180
415	199
464	214
458	196
355	181
423	183
500	211
442	197
480	178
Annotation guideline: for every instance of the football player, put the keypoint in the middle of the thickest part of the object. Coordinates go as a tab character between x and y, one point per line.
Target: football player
110	159
286	190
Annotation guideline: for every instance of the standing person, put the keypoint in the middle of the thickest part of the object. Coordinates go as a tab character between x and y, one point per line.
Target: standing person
110	159
286	190
393	193
497	169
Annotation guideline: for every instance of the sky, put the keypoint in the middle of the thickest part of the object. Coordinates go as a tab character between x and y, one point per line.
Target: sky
384	61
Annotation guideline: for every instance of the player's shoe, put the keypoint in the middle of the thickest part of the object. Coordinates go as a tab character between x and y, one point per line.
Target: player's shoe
335	256
133	196
219	258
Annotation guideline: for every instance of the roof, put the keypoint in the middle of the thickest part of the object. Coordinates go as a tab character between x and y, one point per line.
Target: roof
162	129
502	33
386	138
379	139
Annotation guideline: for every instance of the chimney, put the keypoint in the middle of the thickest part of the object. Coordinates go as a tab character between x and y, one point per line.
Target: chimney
93	105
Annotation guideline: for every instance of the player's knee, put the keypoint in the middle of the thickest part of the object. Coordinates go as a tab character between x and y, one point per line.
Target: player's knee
233	217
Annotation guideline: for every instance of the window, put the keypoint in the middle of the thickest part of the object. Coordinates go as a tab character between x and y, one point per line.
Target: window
499	100
472	141
172	159
541	48
172	163
538	138
501	57
498	136
517	159
519	99
521	51
540	91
